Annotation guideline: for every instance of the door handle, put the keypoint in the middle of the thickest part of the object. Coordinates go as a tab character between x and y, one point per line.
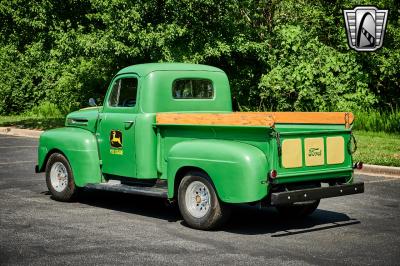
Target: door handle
129	123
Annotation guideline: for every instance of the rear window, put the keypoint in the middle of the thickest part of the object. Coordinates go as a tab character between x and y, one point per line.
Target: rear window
192	89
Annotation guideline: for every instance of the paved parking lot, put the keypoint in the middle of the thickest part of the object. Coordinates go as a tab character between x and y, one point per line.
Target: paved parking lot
111	228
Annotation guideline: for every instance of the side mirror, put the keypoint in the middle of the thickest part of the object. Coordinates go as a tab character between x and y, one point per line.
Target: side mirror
92	102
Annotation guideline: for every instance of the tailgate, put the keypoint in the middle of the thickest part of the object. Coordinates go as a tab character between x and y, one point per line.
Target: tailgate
312	152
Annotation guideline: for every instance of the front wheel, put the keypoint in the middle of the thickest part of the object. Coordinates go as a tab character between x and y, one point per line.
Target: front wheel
59	178
199	203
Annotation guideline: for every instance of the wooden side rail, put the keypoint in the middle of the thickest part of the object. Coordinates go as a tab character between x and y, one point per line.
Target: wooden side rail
228	119
267	119
335	118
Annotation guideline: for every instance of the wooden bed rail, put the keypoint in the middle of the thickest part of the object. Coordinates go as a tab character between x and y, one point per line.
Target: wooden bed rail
267	119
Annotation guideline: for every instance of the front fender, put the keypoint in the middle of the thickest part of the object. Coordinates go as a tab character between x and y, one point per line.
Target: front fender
80	148
237	170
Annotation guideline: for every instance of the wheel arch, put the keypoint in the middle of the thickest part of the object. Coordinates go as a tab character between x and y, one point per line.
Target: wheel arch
182	172
78	146
237	170
47	156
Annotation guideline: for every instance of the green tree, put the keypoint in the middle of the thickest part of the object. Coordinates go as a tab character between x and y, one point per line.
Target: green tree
279	55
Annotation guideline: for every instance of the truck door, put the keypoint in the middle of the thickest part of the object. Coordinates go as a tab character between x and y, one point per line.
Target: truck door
116	130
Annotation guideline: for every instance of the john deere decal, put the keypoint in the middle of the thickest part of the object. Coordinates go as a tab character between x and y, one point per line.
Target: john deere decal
116	139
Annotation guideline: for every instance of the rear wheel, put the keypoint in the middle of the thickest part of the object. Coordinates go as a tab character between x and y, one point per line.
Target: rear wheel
59	178
199	203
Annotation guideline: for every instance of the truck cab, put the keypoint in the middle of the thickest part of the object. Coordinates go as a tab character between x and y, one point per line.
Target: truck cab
168	130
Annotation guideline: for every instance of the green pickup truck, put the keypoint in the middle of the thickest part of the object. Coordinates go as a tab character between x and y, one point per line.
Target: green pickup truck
168	130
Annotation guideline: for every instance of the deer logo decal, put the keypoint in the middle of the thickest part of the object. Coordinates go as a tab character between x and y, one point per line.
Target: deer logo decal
116	139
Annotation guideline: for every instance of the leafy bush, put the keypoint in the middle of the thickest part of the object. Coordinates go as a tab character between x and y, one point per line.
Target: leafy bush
307	75
375	120
45	110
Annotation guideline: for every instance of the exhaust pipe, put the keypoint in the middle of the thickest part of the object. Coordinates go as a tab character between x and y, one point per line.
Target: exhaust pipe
358	165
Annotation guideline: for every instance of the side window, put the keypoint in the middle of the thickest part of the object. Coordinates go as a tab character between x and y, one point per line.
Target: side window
192	89
123	93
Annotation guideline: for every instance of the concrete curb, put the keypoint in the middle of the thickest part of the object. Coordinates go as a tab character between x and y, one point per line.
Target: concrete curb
379	170
12	131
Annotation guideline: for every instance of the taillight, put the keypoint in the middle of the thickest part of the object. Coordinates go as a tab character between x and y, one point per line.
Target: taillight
273	174
358	165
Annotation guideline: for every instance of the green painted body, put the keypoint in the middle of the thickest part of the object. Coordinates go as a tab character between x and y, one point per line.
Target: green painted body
237	158
80	148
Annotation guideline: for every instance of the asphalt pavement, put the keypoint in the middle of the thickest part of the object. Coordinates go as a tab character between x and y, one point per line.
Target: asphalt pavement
106	228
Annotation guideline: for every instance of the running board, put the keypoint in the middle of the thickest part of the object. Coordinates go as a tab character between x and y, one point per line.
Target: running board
159	192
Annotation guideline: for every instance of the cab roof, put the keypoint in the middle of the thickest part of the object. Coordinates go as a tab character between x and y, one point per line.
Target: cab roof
145	69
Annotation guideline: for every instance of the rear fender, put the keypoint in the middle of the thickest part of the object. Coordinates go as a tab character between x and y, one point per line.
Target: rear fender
237	170
80	148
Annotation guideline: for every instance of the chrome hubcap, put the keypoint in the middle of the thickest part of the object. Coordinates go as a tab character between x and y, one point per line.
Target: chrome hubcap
197	199
58	176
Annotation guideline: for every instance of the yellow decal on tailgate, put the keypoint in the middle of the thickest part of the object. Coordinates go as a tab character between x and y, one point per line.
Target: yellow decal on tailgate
314	151
335	150
291	153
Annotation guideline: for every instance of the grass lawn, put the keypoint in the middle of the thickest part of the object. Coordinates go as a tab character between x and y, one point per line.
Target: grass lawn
378	148
373	147
32	122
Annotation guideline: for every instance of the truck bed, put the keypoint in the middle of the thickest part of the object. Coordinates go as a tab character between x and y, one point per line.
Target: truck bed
301	146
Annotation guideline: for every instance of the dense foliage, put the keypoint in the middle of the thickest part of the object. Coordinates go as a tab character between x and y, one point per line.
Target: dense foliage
279	55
